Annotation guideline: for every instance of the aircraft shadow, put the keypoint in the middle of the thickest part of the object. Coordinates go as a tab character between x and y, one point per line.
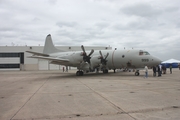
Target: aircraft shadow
89	75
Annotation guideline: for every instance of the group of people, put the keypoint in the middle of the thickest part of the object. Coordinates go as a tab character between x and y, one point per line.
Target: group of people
159	69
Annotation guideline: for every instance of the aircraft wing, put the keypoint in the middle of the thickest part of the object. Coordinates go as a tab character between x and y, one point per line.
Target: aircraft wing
36	53
50	58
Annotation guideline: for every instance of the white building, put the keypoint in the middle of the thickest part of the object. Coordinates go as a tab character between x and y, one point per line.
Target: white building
15	57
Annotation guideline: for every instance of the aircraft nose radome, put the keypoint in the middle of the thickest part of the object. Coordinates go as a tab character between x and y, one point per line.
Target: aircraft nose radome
157	60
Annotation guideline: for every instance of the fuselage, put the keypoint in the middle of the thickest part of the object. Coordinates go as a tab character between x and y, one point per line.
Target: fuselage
89	61
115	60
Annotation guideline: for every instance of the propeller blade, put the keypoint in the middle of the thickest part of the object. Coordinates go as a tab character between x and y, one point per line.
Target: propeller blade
92	51
101	54
82	47
103	59
106	55
86	58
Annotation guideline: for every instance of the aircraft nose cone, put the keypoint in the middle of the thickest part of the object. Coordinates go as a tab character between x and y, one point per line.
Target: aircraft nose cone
157	61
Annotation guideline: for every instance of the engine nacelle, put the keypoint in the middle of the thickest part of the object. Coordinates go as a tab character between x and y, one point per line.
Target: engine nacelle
84	66
95	62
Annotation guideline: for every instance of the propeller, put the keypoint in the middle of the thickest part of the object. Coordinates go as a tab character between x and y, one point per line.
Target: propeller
103	59
86	58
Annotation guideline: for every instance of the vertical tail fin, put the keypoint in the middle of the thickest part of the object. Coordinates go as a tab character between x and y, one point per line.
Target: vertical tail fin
49	46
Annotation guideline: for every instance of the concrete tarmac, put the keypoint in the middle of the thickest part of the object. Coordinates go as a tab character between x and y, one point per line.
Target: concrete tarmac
39	95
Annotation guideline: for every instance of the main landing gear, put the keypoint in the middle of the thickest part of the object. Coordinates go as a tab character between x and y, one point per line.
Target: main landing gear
137	73
79	73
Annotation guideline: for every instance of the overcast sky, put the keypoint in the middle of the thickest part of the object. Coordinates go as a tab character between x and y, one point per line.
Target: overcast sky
152	25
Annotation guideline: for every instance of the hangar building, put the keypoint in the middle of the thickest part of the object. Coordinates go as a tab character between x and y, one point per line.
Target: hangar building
15	57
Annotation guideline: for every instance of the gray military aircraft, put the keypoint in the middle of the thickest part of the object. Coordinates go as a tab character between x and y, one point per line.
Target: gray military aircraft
89	61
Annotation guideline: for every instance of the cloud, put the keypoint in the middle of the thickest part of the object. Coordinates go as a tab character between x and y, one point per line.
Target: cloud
66	24
53	2
142	10
151	25
102	25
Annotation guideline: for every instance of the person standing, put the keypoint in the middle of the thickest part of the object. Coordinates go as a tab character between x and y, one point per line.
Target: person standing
146	71
63	69
164	69
154	71
66	68
159	71
160	68
170	67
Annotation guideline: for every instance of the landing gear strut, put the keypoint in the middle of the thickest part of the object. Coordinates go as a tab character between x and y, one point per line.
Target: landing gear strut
105	71
137	73
79	73
114	70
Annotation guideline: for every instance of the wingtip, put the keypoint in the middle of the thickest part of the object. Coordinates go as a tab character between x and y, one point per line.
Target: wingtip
49	35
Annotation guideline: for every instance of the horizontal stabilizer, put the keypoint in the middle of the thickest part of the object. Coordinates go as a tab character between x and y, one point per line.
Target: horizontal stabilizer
50	58
36	53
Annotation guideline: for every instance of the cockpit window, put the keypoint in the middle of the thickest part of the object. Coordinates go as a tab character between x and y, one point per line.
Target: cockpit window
141	52
146	53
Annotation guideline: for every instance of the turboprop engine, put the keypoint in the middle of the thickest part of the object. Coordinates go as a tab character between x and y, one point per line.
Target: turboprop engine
99	61
95	62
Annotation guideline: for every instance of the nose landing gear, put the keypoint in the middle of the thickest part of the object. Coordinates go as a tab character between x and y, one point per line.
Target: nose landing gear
137	73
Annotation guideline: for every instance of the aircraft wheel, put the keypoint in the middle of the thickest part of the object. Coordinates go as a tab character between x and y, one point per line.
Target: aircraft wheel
136	73
78	73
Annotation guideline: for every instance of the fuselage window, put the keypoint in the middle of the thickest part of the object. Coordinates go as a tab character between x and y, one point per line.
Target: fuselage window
123	56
